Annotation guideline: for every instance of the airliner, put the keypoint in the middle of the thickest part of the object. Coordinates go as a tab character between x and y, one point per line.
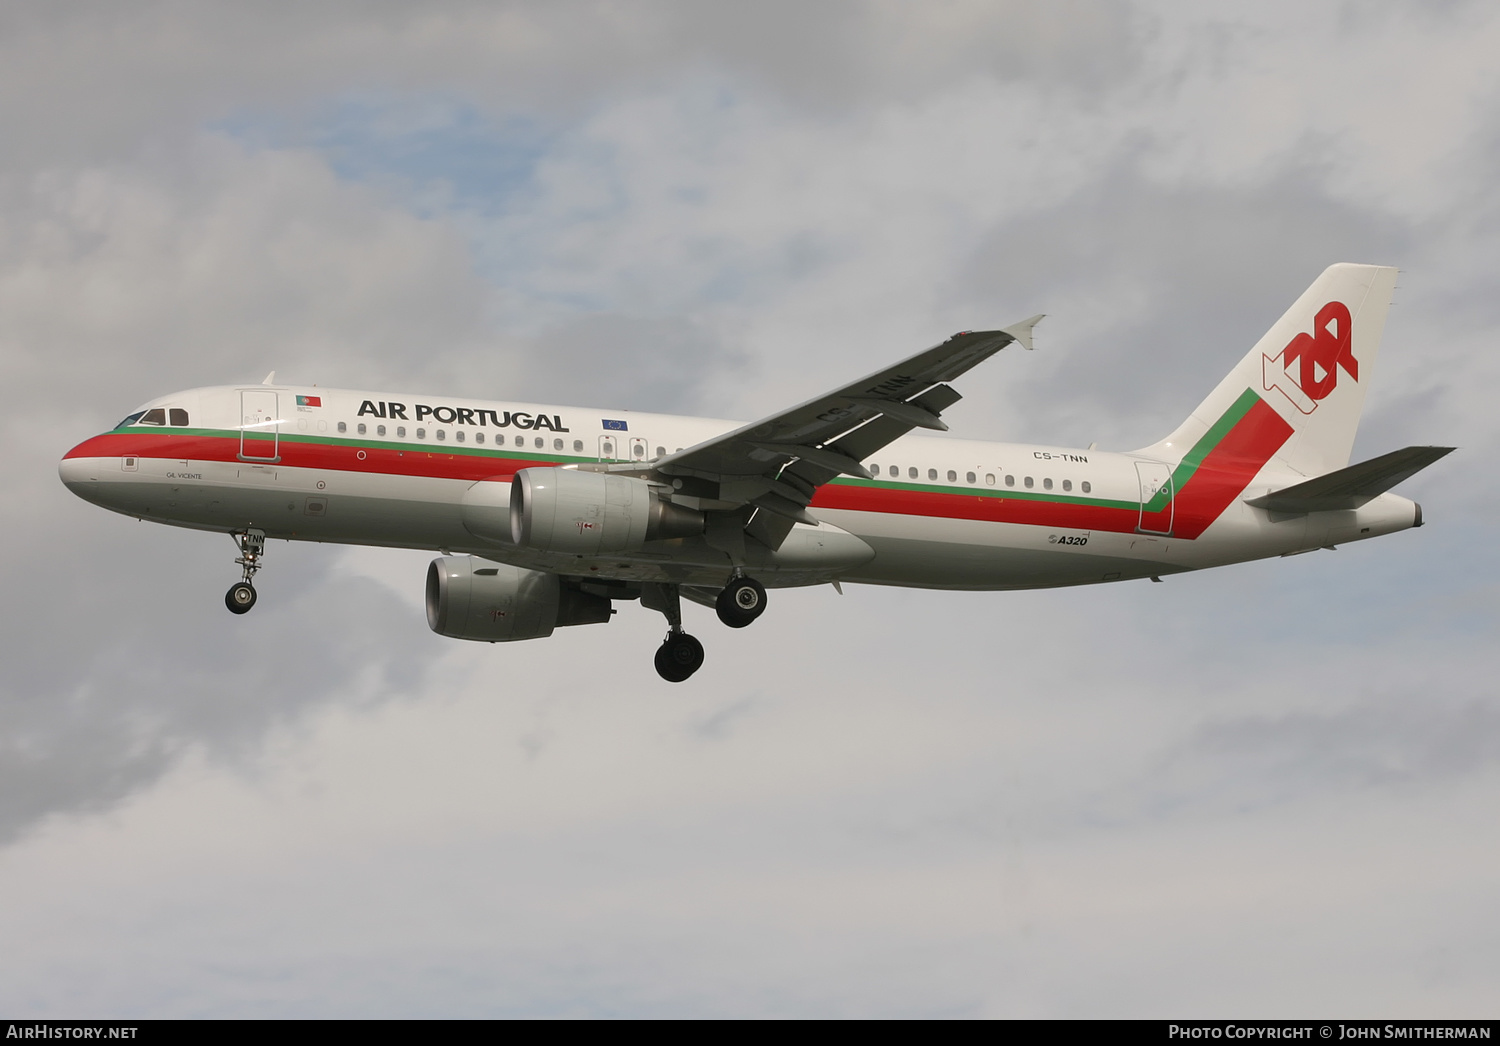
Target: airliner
546	516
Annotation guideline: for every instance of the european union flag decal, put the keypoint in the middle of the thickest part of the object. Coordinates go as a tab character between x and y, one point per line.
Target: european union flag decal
614	426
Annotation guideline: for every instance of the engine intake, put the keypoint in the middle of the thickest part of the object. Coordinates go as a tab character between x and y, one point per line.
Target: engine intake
470	598
565	510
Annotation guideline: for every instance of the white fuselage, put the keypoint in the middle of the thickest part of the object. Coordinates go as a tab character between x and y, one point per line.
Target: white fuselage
412	471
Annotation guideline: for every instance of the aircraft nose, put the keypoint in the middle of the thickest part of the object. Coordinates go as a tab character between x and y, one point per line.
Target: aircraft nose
81	470
77	472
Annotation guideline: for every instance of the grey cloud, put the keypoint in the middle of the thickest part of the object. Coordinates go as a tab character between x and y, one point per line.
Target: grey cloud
658	364
124	282
1418	738
855	54
93	79
1174	283
106	688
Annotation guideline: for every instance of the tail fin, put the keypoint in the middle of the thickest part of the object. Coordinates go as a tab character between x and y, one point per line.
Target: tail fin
1311	369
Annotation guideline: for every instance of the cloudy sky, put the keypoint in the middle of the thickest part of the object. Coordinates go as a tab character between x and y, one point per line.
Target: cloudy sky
1263	790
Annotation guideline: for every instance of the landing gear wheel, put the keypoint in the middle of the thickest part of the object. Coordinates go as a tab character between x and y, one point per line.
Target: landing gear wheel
240	598
678	657
741	602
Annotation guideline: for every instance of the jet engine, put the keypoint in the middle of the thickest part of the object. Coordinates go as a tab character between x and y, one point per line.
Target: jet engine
565	510
471	598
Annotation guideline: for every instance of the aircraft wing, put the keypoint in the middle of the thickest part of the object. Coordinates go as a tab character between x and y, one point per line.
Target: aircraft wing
774	466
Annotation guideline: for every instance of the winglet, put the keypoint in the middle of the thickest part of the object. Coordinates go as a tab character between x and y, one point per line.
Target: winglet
1022	331
271	378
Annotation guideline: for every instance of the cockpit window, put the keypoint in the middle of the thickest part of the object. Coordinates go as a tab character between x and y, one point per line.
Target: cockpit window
156	416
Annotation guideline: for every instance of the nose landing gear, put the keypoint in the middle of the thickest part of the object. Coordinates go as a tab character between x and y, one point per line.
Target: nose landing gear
241	596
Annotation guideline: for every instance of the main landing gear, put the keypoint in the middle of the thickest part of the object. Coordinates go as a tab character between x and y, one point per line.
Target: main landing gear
741	602
241	596
680	655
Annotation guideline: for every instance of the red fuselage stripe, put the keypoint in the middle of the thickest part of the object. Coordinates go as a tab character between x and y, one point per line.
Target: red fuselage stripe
1229	468
1219	479
390	461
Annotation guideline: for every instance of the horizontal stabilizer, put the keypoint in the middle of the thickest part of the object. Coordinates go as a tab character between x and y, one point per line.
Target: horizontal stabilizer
1351	487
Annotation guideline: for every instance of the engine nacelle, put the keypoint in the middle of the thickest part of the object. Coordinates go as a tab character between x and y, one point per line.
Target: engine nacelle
566	510
471	598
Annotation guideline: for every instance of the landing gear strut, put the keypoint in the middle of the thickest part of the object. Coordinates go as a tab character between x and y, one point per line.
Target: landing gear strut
680	655
741	602
241	596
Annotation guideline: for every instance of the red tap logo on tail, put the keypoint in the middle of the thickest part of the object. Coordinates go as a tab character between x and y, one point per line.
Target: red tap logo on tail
1307	369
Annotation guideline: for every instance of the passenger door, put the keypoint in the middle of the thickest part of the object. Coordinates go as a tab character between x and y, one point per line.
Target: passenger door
260	426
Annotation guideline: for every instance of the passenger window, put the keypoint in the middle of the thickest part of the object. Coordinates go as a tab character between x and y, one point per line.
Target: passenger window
969	477
421	434
912	472
952	476
540	443
874	470
178	416
1067	484
989	479
661	452
1086	487
360	428
932	473
1029	483
577	446
1010	481
380	430
479	437
557	444
155	416
401	431
343	427
609	449
1047	484
895	471
441	434
458	436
